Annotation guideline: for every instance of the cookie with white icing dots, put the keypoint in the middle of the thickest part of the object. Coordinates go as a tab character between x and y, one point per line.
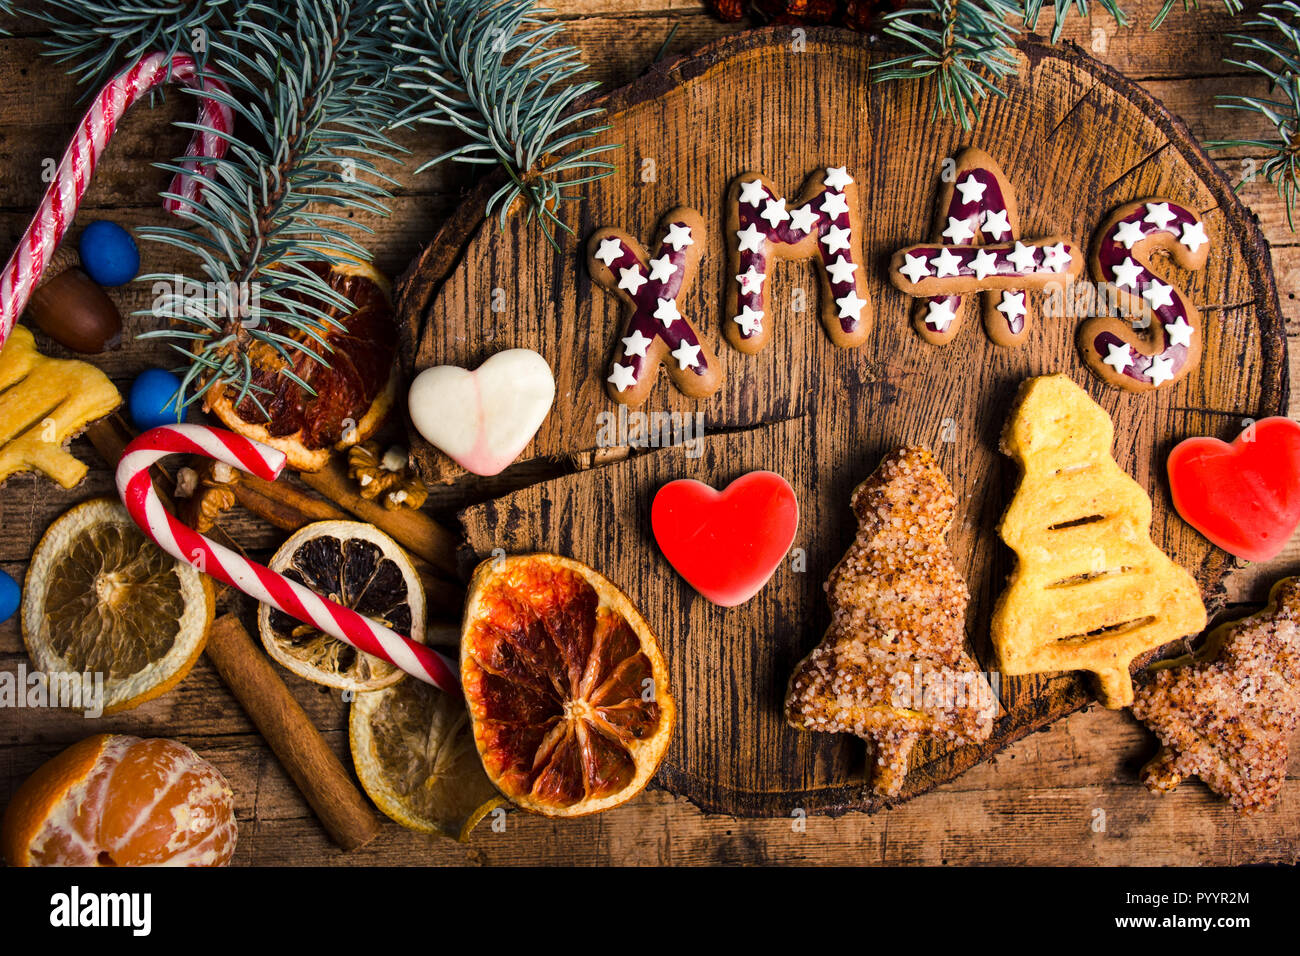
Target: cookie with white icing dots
1121	256
978	249
762	226
656	331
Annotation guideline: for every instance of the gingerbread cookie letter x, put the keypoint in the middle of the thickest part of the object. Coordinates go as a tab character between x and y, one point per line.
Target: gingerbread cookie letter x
656	331
822	222
977	202
1121	255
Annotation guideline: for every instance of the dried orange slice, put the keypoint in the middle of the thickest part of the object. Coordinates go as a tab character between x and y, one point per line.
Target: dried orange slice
567	689
101	598
356	565
415	756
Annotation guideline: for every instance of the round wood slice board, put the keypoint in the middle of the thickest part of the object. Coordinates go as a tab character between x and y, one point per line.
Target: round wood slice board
1075	139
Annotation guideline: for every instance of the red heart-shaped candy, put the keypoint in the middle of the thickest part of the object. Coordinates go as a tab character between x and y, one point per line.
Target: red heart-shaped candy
1245	497
726	544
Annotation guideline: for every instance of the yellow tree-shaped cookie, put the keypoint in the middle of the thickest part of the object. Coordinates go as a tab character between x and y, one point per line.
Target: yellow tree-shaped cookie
43	403
1090	591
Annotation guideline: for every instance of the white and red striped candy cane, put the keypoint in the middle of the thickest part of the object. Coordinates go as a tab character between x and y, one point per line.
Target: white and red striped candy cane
255	580
70	181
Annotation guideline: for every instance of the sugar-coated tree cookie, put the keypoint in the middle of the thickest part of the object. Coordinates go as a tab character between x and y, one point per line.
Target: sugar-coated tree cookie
824	222
977	248
893	666
656	330
1090	591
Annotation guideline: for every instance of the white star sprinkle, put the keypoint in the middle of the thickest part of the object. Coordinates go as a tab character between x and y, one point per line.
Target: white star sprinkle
686	355
661	269
1159	215
1022	257
679	235
749	321
1127	273
1118	357
996	224
1179	333
984	263
622	377
666	312
1158	295
971	189
915	268
850	306
774	212
836	239
803	219
751	239
1194	235
945	263
841	270
940	314
837	177
635	344
1129	233
609	250
751	280
1012	305
753	192
958	231
631	279
833	204
1160	370
1056	258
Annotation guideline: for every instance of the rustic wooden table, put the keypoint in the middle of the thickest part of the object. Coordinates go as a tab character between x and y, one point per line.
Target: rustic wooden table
1068	795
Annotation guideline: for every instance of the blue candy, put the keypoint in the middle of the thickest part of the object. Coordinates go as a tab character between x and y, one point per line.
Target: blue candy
108	253
151	402
10	596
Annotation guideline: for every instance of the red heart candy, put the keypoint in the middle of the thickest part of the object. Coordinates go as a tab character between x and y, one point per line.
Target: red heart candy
726	544
1245	497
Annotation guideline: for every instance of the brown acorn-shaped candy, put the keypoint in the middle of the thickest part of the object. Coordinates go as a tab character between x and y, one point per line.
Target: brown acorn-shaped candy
71	308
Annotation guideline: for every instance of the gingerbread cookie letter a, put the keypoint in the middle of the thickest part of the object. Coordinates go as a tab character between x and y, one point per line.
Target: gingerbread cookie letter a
978	202
1090	591
1122	256
656	331
823	221
1227	713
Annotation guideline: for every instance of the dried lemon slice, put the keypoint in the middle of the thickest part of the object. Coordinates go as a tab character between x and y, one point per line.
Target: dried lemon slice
101	598
415	756
358	566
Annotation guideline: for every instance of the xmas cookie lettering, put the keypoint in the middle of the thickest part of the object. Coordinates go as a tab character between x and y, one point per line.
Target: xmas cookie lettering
1122	256
977	248
656	330
762	227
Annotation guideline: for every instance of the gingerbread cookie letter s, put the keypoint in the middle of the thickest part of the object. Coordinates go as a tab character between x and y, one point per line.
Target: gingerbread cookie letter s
1090	591
977	248
1227	713
1121	256
656	331
822	222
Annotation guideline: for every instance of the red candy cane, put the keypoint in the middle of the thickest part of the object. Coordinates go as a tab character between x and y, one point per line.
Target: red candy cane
63	197
255	580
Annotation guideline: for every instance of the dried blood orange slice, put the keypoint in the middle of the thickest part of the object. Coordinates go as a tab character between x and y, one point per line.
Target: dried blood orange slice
353	395
567	689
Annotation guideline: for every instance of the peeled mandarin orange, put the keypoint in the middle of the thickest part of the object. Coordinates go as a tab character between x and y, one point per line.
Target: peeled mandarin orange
566	686
116	800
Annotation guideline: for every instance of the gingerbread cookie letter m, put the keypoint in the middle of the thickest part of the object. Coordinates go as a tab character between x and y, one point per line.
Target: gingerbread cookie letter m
822	222
656	331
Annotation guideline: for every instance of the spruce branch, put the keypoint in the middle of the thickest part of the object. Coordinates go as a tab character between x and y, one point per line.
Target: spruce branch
1064	8
1272	51
967	45
489	70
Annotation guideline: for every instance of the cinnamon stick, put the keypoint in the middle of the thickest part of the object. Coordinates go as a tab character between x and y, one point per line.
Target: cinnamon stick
292	737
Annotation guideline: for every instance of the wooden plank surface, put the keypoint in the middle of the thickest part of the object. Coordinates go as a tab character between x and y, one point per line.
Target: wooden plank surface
1040	801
